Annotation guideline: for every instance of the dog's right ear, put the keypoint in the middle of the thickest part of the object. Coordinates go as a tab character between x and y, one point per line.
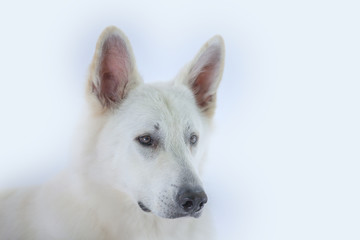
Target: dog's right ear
113	70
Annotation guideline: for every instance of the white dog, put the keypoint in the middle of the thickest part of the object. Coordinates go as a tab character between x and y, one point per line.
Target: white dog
136	175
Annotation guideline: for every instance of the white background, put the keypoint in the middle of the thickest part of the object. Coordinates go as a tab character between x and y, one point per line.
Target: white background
284	160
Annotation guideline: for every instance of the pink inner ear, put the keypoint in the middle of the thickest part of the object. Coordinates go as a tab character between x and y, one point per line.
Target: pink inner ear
114	70
202	85
109	87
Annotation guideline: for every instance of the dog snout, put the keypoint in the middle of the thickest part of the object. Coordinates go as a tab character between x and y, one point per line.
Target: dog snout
191	200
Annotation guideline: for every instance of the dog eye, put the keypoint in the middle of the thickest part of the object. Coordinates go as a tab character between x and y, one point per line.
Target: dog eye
146	140
193	139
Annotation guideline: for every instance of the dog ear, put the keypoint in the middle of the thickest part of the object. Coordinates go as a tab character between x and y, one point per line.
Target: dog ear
204	74
113	70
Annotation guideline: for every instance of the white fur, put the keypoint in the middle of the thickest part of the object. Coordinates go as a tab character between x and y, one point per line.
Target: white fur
97	197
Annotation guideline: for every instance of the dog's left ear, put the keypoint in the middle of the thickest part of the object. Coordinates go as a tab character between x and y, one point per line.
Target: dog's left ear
204	74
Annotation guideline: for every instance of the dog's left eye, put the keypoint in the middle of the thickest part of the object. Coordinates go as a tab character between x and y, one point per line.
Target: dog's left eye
193	139
146	140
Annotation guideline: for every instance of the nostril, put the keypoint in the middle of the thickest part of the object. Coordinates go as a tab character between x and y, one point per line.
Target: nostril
201	204
187	205
191	200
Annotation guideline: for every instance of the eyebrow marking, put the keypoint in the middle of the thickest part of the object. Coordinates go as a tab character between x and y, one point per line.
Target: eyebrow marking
157	126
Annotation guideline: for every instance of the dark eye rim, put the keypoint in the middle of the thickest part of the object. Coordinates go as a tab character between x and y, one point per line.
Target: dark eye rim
193	142
146	142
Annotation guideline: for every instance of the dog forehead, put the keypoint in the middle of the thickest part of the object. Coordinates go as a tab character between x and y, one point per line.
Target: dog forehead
163	104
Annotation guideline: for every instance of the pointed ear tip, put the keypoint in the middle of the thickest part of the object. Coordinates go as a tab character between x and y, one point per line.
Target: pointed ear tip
217	40
112	30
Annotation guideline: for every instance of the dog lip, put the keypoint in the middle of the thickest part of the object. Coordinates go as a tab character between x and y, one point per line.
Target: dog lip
176	215
182	215
196	214
143	207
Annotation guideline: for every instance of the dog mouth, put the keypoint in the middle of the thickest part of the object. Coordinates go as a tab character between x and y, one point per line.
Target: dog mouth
143	207
173	215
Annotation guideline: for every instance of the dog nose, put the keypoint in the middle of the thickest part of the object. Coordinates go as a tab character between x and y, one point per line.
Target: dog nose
191	200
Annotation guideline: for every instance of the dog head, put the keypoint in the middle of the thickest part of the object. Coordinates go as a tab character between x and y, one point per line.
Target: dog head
151	138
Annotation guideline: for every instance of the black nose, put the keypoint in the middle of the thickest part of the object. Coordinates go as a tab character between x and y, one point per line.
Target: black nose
191	200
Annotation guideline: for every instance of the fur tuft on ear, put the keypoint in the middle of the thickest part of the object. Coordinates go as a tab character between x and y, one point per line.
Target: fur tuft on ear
204	73
113	70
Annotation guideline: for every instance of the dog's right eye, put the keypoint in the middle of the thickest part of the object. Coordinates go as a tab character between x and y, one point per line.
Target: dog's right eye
146	140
